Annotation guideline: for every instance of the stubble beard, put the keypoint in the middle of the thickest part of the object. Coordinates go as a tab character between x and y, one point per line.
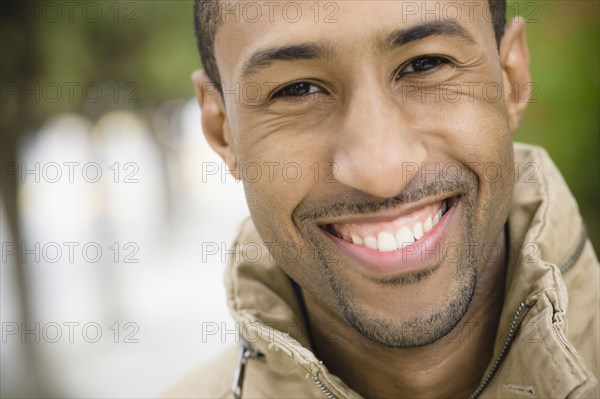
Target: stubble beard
426	328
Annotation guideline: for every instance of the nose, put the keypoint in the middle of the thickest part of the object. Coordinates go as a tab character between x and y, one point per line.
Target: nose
377	153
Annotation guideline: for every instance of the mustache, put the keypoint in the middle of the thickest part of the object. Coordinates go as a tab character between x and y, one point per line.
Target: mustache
355	202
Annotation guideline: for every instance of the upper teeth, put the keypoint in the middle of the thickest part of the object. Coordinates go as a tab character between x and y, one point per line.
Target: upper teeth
405	235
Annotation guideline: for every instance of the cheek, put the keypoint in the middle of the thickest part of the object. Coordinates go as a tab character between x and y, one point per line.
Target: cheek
483	142
469	125
280	166
487	149
474	132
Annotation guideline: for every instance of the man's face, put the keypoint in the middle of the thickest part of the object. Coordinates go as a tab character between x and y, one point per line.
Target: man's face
354	128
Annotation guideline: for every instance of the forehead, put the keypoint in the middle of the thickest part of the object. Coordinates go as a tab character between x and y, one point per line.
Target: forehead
348	26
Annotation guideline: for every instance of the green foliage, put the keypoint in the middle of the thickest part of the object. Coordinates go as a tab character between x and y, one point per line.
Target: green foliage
563	39
148	43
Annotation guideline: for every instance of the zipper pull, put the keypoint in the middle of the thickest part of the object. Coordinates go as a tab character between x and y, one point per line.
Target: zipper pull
246	352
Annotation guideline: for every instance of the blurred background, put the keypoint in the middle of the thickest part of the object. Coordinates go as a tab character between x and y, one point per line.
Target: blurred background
112	200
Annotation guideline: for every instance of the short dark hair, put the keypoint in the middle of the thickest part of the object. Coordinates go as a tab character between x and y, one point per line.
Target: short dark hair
207	18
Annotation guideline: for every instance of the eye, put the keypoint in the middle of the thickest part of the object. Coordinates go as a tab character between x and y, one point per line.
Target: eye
297	89
423	65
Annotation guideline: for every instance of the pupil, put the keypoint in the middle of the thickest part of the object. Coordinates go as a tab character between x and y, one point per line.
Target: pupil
300	88
427	63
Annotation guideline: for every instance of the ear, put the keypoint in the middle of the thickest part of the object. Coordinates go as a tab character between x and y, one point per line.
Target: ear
514	58
214	120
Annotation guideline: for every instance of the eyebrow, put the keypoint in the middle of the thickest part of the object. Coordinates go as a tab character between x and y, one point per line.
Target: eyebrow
312	50
402	37
304	51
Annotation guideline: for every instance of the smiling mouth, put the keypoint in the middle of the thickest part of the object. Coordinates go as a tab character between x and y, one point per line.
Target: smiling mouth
394	233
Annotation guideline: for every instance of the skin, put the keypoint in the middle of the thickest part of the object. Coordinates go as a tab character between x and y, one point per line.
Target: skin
361	123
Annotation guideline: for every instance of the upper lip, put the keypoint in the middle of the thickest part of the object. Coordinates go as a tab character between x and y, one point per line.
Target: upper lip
385	215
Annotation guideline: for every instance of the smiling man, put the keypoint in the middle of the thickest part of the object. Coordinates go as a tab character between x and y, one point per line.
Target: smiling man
401	245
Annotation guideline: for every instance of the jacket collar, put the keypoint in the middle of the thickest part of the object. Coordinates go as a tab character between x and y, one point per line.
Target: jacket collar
262	300
532	356
547	237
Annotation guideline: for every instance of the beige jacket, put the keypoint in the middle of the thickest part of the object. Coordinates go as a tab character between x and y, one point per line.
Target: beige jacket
547	344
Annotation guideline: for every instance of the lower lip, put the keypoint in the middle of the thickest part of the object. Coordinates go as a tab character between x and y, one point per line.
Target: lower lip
418	255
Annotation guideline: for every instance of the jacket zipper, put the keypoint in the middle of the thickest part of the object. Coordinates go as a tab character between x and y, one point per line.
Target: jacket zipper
516	322
321	385
247	352
578	250
520	313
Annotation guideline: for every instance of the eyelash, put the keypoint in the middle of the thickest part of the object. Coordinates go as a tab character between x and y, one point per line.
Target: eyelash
280	94
438	61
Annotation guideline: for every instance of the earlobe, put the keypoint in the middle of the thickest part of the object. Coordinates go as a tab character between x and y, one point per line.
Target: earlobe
514	57
214	120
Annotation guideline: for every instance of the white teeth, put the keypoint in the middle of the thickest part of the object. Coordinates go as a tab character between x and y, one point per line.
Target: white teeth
438	216
357	240
417	231
370	242
404	237
427	225
386	242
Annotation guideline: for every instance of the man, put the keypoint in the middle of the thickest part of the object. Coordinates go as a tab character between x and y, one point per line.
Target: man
401	245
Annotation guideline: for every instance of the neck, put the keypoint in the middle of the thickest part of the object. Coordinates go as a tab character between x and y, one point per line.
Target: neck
452	367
